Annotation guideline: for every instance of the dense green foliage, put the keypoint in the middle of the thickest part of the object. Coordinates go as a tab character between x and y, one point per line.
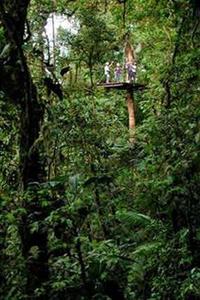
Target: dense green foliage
120	219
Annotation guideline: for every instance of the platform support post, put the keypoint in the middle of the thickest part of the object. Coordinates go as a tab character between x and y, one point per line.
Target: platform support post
131	113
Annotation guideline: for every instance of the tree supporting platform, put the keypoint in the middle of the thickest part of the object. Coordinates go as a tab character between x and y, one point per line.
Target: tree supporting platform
123	86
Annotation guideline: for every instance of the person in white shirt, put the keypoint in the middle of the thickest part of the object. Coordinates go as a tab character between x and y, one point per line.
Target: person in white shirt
134	71
107	71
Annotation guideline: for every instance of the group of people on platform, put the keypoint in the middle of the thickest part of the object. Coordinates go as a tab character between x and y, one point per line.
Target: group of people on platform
118	72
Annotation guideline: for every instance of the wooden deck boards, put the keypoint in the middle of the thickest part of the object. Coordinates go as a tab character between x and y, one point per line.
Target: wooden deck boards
122	86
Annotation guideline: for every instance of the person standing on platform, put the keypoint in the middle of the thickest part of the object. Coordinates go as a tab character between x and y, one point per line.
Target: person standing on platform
131	71
118	73
134	71
107	71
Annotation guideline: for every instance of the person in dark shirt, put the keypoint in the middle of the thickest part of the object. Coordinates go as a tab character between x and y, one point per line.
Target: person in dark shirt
118	73
131	71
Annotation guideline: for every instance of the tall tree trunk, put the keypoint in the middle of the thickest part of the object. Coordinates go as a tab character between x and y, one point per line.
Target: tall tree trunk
129	52
130	58
32	171
91	75
90	66
131	113
17	85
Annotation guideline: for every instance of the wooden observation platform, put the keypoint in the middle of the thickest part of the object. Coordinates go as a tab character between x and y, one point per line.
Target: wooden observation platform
127	86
